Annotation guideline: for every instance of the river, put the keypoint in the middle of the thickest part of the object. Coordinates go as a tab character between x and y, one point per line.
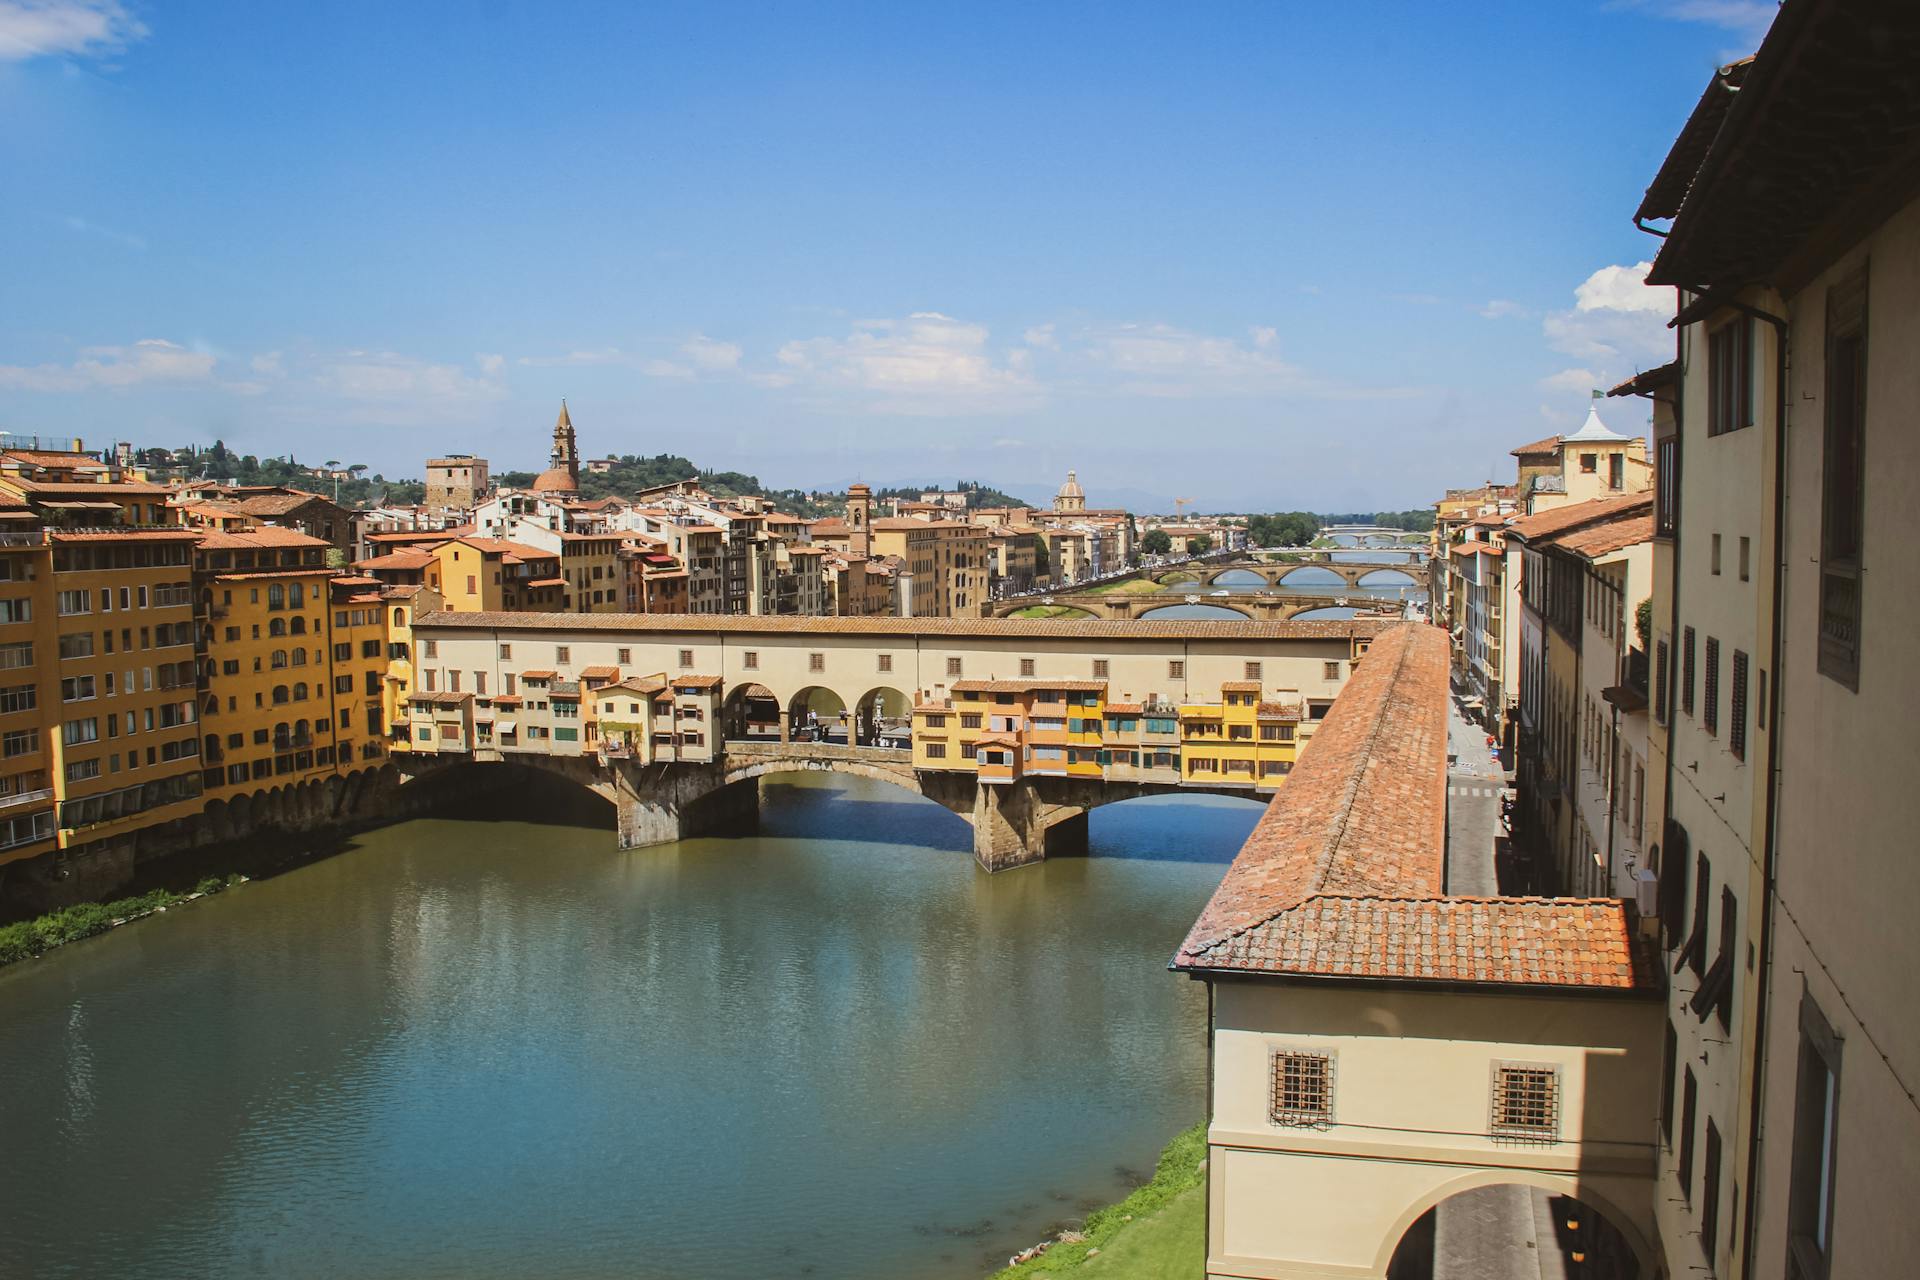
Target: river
490	1049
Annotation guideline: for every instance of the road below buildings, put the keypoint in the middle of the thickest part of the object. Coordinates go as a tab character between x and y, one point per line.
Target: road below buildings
1475	784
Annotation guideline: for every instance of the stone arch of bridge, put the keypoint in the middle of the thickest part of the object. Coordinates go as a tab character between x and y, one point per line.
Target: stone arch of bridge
583	772
1387	576
1226	606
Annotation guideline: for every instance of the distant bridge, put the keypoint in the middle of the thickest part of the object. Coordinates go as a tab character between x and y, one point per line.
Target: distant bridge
1013	823
1275	574
1262	606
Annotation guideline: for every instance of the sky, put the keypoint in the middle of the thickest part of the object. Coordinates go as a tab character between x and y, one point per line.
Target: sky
1266	256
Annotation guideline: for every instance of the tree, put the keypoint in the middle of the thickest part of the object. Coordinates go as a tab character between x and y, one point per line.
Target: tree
1156	542
1201	545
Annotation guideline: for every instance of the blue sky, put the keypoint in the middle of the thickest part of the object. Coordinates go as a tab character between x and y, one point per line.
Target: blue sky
1268	255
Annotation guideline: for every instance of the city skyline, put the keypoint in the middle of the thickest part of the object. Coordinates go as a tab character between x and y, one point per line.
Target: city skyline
1000	250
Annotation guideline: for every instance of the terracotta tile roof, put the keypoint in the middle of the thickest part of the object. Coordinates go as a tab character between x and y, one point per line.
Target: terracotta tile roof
1547	445
88	488
599	673
980	628
441	699
506	700
533	675
1240	686
1028	686
1606	536
1124	708
403	558
634	684
547	582
1283	710
1343	875
1561	518
998	739
695	682
123	535
245	539
1663	375
276	504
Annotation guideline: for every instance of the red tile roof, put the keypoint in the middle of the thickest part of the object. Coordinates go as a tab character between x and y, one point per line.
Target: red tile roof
248	539
1343	875
1542	523
1547	445
977	628
1606	536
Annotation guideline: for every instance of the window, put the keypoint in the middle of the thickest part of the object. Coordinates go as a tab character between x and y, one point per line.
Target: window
1026	668
1694	950
1302	1090
563	654
1843	482
1670	1058
1730	377
1815	1135
1686	670
19	697
885	662
1710	1193
16	610
1714	557
1689	1104
16	655
1590	463
430	648
75	732
686	658
936	751
76	688
1526	1102
816	662
1330	670
1746	559
1737	707
81	770
1666	509
623	656
953	666
1616	471
1660	681
1253	671
969	719
1711	692
19	742
72	602
1176	670
506	650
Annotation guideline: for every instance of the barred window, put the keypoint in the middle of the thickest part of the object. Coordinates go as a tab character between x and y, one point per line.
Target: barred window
1332	671
816	662
1253	671
1176	670
1686	670
1026	668
1302	1090
1660	682
752	660
1099	668
885	661
953	666
1526	1102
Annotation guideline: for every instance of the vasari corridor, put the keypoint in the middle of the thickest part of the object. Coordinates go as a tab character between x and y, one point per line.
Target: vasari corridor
1262	641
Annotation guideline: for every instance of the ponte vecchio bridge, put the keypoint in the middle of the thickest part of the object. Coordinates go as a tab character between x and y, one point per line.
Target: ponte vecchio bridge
1122	605
675	718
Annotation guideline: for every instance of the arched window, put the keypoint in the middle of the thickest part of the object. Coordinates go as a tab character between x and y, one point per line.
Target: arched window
278	659
279	695
299	657
276	596
399	617
300	693
299	626
277	627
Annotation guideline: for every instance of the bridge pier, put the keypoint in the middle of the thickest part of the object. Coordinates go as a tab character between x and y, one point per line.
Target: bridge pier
1013	825
661	804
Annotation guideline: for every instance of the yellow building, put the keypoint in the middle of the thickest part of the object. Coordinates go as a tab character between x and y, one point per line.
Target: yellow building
400	607
1241	740
488	575
359	670
29	691
269	709
126	753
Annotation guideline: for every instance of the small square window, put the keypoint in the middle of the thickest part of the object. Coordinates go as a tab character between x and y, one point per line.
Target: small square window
686	657
1332	670
1302	1090
624	656
752	661
1176	670
562	653
953	666
1099	668
1253	671
886	662
1026	668
506	651
1526	1102
816	662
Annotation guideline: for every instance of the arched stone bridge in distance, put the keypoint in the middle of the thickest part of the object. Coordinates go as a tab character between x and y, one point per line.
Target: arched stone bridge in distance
1263	607
1275	574
1013	823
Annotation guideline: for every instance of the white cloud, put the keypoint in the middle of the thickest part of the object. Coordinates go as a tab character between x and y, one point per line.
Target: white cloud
1161	360
392	389
1041	336
148	360
1571	381
1501	308
491	366
604	355
711	355
59	28
928	363
1616	321
84	227
663	369
1750	18
268	364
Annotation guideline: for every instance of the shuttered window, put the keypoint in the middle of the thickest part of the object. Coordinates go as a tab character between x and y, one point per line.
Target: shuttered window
1737	707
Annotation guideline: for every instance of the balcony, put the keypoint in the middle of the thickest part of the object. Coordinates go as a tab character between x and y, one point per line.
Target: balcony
22	799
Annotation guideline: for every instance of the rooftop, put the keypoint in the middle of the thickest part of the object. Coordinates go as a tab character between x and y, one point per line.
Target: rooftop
978	628
1344	876
1558	519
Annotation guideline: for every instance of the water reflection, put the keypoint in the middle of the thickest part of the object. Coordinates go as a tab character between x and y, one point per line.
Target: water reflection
498	1049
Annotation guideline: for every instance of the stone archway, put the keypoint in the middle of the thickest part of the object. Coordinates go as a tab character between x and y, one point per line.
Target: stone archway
1470	1225
751	713
883	717
818	713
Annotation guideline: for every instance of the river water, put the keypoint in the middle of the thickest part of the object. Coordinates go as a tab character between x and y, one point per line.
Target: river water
491	1049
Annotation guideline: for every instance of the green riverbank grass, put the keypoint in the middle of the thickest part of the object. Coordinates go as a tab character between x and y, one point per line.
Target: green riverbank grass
1132	586
1157	1233
25	939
